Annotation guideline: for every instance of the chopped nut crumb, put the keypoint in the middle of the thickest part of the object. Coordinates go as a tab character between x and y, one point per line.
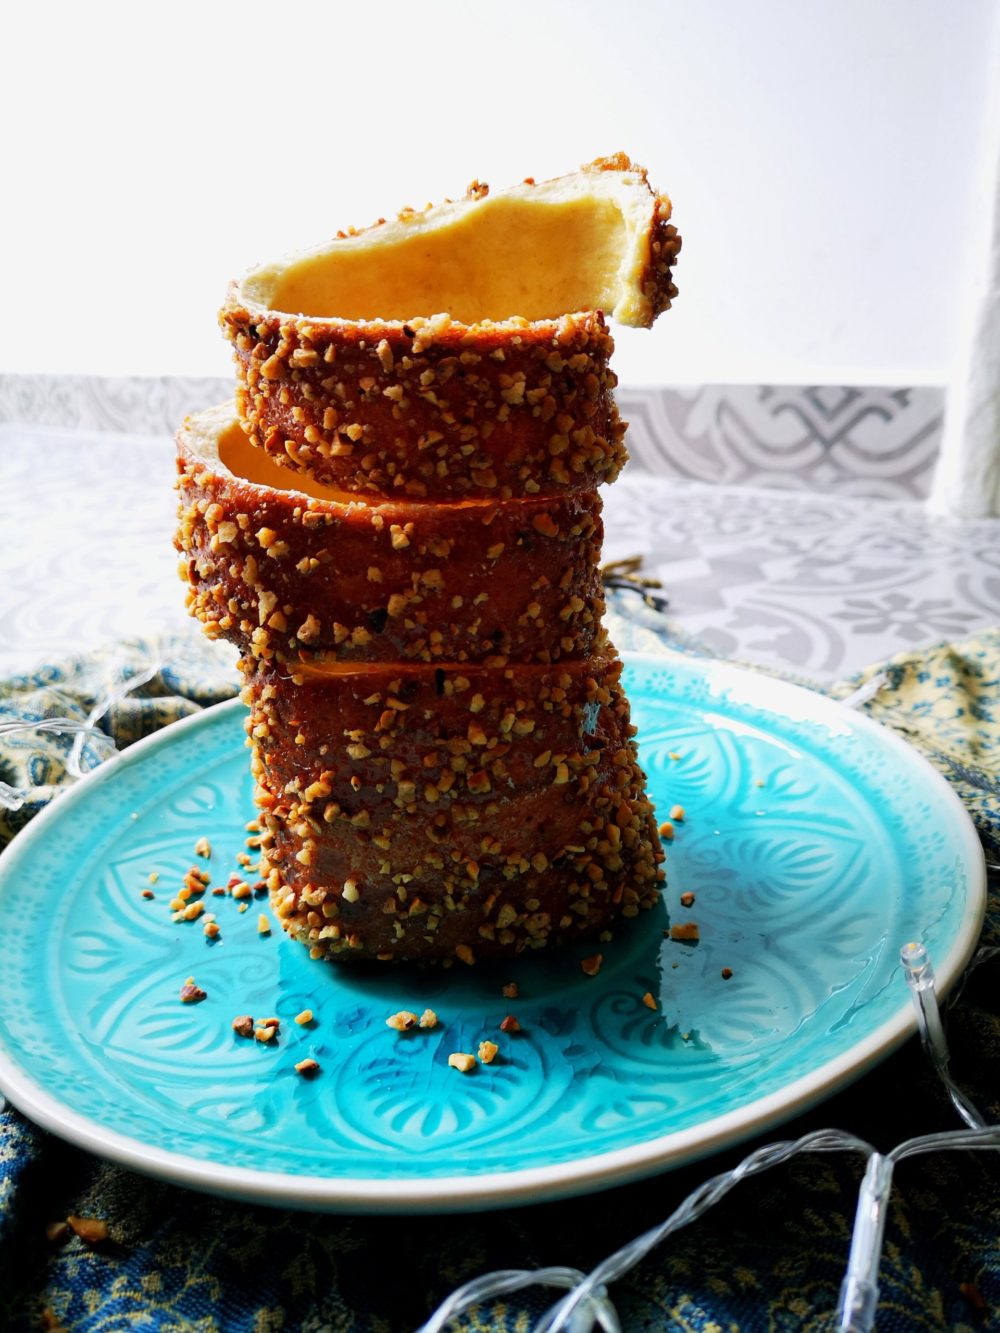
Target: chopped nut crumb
265	1033
154	875
592	965
148	893
677	813
270	1023
510	1024
211	929
687	899
263	925
726	973
462	1060
57	1232
241	889
510	991
685	931
203	848
401	1021
91	1229
648	1000
190	993
243	1025
428	1019
307	1067
973	1295
487	1052
673	754
305	1017
666	830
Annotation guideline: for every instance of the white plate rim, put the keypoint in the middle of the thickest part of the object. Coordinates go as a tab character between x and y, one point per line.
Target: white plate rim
527	1184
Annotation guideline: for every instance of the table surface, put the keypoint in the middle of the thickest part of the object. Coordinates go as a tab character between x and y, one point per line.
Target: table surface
821	585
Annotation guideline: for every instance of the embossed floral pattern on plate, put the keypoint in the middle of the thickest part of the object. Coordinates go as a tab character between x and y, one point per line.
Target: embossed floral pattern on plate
814	844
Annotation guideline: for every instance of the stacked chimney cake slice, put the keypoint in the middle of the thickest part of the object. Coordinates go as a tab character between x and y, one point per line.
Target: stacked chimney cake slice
398	525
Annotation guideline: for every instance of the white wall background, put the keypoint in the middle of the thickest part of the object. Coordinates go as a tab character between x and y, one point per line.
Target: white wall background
821	154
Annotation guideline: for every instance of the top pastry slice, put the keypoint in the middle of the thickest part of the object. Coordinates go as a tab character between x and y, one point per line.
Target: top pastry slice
439	355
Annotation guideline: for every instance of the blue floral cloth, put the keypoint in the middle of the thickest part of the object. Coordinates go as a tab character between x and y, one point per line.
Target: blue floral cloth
771	1257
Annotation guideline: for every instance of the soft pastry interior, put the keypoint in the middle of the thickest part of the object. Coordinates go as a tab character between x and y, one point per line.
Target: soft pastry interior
534	251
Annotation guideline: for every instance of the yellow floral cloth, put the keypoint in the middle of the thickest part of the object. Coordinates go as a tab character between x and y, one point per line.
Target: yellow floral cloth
771	1257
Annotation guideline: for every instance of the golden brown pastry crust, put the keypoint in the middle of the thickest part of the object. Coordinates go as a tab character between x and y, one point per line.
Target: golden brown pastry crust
433	409
285	575
444	821
384	738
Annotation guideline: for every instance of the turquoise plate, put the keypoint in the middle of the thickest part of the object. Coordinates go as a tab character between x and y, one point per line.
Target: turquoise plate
815	843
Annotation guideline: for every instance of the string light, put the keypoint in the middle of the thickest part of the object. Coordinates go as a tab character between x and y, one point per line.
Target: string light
588	1305
13	798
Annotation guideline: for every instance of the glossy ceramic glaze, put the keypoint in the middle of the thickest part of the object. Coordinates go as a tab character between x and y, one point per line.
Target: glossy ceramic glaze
815	844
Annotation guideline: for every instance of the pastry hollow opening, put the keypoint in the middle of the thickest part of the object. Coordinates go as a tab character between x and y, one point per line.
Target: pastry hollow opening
248	463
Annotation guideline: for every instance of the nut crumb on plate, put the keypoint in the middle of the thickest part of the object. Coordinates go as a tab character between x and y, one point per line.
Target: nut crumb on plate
510	1024
648	1000
307	1067
462	1061
487	1052
203	848
592	965
306	1016
91	1229
243	1024
402	1021
190	993
685	932
510	991
428	1019
687	899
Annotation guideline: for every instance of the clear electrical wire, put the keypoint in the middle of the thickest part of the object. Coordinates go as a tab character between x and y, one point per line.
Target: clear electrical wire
13	798
587	1306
